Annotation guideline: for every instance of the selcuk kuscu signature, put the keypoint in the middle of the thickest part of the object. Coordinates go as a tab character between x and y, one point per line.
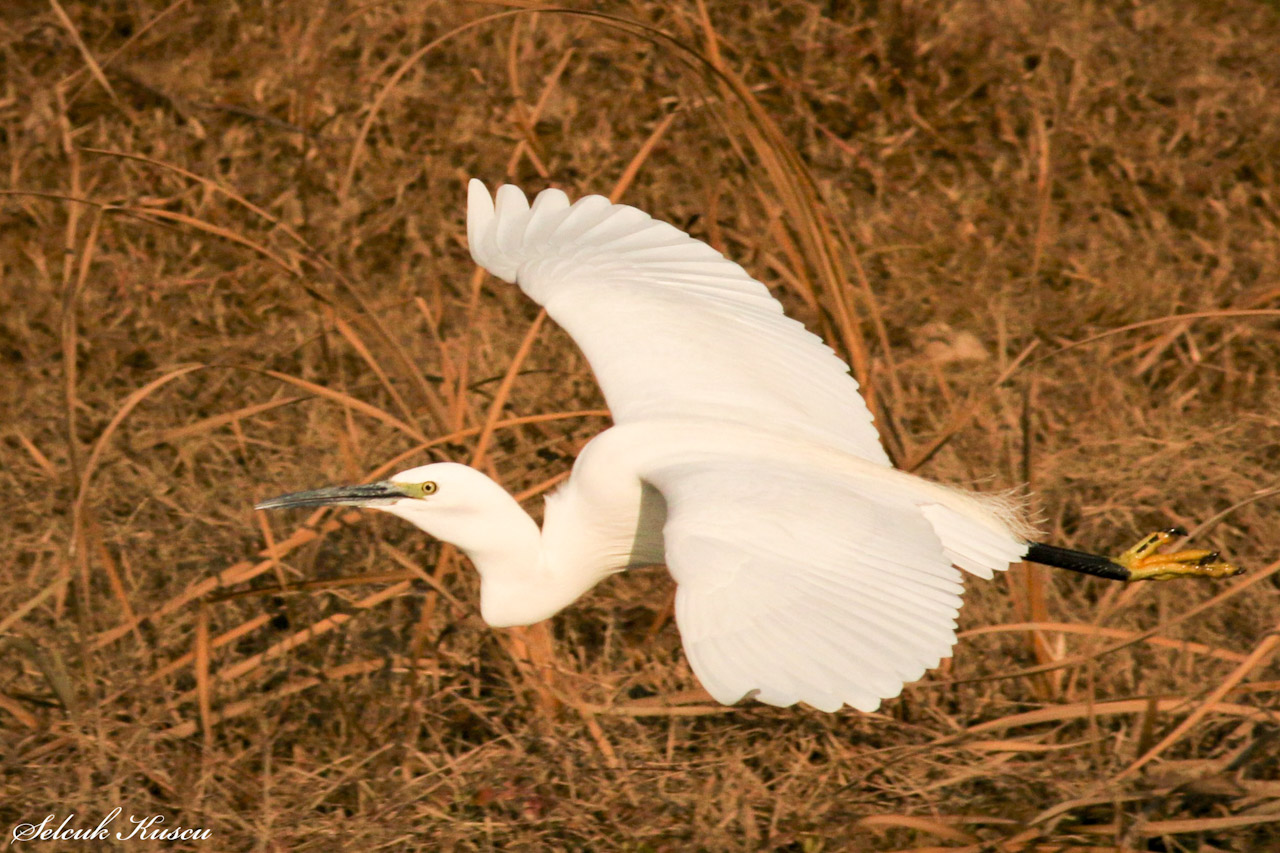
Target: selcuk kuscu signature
146	828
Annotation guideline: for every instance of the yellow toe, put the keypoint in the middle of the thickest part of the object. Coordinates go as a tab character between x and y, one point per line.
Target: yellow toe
1144	563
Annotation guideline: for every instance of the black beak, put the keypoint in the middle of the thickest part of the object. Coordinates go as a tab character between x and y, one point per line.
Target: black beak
368	494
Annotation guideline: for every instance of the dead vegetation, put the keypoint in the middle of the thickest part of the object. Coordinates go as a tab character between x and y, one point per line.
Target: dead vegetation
233	259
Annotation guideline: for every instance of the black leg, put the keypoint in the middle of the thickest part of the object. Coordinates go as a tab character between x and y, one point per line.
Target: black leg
1077	561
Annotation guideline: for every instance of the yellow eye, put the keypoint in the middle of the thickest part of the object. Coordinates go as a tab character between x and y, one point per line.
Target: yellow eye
428	488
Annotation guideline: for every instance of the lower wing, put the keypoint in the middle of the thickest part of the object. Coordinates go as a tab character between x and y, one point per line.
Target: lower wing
799	585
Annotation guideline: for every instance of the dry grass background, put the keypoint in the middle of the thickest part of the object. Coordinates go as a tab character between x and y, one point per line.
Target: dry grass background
234	265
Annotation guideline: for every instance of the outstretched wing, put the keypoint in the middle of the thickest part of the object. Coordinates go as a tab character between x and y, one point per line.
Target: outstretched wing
670	326
802	586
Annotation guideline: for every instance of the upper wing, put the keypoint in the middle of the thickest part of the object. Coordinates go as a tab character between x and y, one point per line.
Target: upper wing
798	585
670	326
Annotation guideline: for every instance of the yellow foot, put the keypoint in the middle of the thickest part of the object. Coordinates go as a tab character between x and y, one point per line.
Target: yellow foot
1144	564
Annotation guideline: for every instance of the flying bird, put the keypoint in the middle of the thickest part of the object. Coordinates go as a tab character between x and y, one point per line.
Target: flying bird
742	456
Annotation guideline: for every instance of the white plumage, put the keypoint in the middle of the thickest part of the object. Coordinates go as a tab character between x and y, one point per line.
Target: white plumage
796	582
671	328
808	569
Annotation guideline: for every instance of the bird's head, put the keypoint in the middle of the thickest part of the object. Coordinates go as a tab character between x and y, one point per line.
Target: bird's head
440	486
452	502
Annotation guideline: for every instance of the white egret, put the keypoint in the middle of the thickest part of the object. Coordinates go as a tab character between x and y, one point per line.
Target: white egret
808	569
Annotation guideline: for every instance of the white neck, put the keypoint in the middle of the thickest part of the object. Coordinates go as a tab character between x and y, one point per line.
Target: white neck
518	585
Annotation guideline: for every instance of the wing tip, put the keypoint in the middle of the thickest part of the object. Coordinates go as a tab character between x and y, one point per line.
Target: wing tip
495	225
480	215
